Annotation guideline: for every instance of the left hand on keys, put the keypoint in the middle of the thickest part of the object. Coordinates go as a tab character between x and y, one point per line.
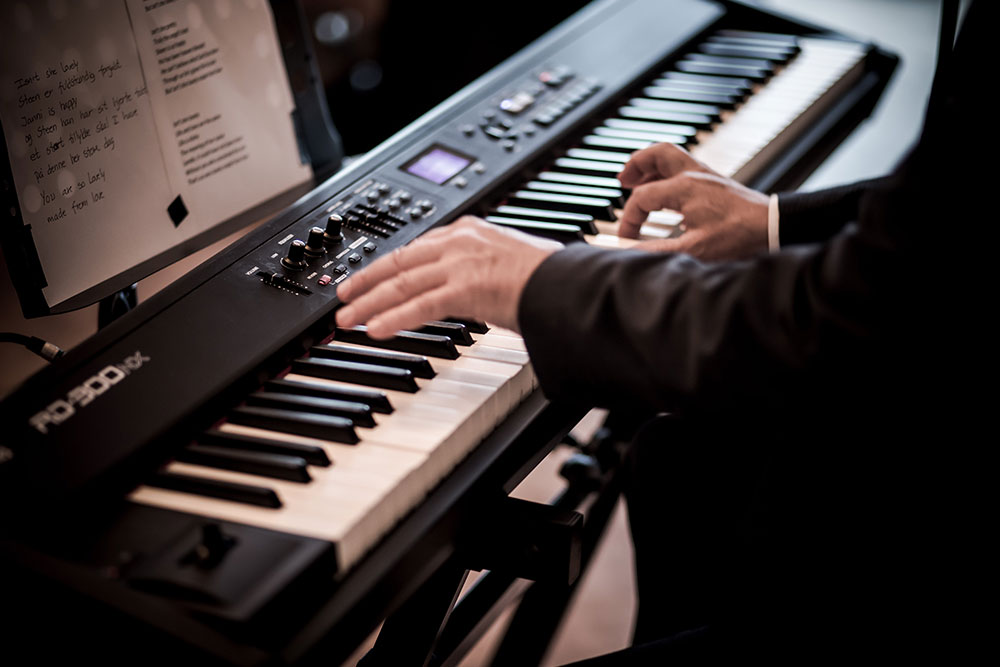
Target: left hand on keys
469	269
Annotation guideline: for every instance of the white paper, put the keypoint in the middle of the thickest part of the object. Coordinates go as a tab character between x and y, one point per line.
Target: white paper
111	109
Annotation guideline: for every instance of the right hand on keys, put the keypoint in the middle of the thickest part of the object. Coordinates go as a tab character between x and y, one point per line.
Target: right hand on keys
723	219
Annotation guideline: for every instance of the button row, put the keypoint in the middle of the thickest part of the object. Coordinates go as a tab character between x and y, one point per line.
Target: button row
572	99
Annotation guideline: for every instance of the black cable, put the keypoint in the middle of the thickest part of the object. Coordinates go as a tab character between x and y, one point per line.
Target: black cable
42	348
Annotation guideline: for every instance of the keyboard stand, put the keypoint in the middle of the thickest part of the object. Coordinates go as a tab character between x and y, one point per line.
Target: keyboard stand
534	557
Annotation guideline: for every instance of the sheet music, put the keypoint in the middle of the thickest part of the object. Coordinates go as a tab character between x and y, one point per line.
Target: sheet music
134	125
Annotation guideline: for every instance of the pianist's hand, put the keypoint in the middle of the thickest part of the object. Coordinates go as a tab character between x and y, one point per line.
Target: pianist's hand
724	219
469	269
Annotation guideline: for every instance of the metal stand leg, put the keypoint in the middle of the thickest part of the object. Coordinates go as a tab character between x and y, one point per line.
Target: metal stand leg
542	609
409	636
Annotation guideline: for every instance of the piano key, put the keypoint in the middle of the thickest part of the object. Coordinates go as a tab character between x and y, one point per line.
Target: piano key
696	67
639	136
278	466
471	325
238	493
456	331
371	375
757	63
778	54
614	195
698	120
496	353
373	398
415	363
582	220
587	167
579	179
494	339
313	455
482	356
687	131
317	426
769	37
597	154
597	207
404	341
557	231
623	144
722	100
730	83
359	413
709	110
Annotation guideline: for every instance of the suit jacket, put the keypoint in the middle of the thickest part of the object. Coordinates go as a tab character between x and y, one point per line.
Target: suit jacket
845	359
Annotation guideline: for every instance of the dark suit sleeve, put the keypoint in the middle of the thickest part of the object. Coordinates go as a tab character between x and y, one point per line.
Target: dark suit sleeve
608	326
813	217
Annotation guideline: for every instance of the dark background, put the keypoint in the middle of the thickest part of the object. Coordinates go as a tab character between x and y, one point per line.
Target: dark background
399	58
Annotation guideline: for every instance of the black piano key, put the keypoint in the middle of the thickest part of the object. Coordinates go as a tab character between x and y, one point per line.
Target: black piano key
642	136
416	364
359	413
721	100
579	179
471	325
278	466
456	331
404	341
581	220
588	167
596	207
758	63
615	196
323	427
697	120
687	131
550	230
696	67
709	110
717	87
312	454
770	37
778	54
732	83
598	154
370	375
247	494
373	398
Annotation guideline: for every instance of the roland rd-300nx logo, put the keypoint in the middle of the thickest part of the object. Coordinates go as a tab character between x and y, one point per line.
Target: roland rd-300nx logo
84	393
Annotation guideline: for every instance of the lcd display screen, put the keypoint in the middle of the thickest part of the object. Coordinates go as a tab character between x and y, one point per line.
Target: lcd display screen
437	165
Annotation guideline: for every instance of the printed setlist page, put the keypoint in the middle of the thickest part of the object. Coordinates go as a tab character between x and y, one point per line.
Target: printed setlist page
134	125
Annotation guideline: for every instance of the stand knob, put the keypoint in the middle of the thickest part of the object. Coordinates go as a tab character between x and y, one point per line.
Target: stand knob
295	260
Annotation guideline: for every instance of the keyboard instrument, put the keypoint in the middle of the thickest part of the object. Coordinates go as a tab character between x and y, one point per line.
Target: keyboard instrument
227	474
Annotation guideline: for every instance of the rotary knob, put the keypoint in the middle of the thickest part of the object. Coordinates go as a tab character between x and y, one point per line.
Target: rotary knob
295	260
333	232
314	246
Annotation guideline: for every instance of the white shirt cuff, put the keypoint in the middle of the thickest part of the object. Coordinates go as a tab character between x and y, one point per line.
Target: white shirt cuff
772	224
